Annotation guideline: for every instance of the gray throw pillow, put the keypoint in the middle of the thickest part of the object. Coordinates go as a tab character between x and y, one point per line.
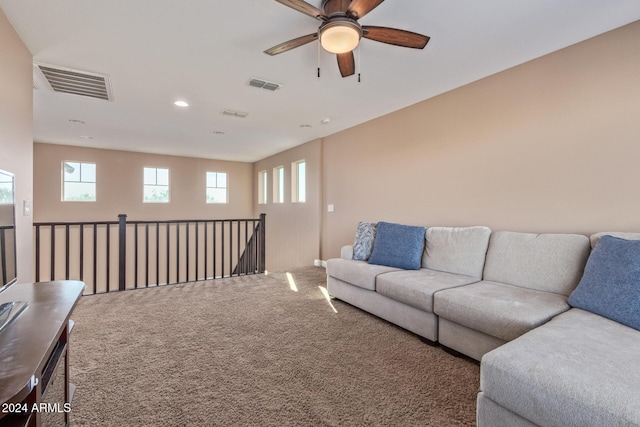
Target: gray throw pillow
365	234
610	285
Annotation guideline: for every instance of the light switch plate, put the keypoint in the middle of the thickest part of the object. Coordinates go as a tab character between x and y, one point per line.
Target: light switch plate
26	207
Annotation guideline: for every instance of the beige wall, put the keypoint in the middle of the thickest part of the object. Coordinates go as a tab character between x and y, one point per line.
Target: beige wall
293	229
16	134
119	186
548	146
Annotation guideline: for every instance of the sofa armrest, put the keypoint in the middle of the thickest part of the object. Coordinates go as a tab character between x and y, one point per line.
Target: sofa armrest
346	252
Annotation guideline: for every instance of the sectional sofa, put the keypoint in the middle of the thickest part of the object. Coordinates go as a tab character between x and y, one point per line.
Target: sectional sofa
503	298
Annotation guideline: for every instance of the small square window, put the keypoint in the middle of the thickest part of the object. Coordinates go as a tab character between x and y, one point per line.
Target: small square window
216	187
78	182
156	185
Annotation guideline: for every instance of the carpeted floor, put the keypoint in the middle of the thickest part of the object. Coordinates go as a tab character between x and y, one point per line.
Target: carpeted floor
252	351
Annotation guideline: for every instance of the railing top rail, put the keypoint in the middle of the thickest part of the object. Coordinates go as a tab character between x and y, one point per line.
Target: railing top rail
48	224
164	221
173	221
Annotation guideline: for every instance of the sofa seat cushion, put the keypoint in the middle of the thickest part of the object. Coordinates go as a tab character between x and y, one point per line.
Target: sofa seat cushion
357	273
416	287
579	369
497	309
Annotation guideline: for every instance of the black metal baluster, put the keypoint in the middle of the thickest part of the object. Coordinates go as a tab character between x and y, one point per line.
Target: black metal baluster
215	243
177	252
168	252
157	253
66	252
135	257
95	257
187	250
82	252
146	255
206	261
37	253
53	253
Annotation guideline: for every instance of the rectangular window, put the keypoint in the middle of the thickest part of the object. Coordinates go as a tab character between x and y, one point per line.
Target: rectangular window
278	184
6	189
156	185
216	187
298	182
262	187
78	182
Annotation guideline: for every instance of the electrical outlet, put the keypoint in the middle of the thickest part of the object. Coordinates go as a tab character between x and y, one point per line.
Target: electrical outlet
329	208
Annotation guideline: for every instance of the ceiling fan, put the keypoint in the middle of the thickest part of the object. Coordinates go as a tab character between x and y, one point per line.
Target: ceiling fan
340	32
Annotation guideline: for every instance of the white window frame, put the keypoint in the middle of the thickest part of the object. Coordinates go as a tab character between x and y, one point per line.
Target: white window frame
81	181
156	185
299	182
278	184
262	187
217	186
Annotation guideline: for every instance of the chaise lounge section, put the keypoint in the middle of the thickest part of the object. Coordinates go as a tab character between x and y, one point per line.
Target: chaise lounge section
580	368
527	281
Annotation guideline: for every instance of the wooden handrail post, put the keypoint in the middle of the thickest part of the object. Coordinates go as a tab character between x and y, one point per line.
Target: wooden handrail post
122	251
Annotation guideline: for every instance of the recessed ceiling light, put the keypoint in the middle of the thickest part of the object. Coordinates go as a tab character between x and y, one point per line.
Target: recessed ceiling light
326	120
181	103
86	137
305	126
76	121
217	132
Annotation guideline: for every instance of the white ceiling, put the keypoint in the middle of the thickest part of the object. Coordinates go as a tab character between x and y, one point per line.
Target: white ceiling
158	51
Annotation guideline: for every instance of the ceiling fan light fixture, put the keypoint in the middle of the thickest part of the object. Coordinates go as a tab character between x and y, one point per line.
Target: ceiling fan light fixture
340	36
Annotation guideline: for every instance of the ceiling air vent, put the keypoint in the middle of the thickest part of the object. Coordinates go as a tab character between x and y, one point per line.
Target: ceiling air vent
75	82
263	84
233	113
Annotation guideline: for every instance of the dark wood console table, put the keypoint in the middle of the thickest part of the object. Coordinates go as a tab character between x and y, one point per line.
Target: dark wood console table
34	358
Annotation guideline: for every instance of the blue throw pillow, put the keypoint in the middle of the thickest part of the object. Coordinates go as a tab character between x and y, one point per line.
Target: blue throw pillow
610	285
397	245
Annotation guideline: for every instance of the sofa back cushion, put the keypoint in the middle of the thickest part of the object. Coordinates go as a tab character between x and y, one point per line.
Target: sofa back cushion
595	238
544	262
459	250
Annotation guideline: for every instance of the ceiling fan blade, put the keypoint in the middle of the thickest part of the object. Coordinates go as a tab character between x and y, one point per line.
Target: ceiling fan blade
346	63
291	44
359	8
304	7
395	37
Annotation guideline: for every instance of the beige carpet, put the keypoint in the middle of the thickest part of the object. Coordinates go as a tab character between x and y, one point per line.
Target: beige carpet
251	351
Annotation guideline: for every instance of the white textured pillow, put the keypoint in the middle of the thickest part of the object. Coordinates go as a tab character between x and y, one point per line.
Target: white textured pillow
365	235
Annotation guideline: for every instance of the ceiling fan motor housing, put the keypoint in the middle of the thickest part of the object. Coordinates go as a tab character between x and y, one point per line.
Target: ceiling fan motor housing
335	6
